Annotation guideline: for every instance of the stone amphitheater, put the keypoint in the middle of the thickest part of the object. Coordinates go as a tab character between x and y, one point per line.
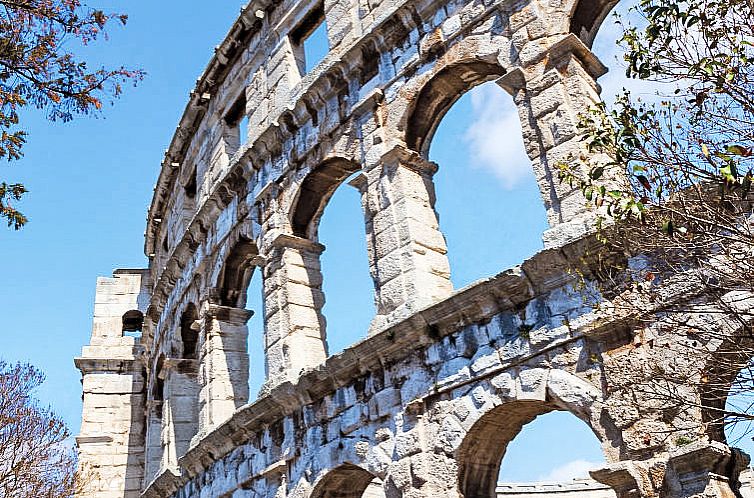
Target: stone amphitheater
444	379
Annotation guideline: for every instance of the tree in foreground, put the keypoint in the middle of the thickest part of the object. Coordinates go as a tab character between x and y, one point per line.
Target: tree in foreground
671	177
39	69
36	459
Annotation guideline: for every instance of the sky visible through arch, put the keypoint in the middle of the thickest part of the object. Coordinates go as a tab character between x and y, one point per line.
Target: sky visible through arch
91	183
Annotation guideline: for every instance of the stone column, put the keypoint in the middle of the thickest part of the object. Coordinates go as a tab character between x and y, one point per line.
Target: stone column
551	90
153	440
181	410
223	364
293	300
407	252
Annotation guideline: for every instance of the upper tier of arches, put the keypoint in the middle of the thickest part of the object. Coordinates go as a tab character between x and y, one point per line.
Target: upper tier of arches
267	138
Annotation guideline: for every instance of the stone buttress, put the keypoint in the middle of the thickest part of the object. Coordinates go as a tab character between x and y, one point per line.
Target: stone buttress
111	441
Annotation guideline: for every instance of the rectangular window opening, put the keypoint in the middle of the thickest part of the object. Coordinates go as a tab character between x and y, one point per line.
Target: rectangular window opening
310	40
238	124
190	186
243	129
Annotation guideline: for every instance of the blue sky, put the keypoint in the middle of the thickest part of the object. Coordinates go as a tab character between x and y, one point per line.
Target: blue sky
91	183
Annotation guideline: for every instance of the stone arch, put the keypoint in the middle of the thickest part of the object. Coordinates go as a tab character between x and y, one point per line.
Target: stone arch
345	481
314	193
189	329
722	366
438	95
183	381
537	391
236	273
587	16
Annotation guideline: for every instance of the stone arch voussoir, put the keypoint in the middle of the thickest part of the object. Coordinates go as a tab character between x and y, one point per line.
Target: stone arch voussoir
479	440
427	96
587	17
236	266
314	192
344	481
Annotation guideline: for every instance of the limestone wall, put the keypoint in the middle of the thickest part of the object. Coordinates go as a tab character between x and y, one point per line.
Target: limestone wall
370	106
443	379
111	440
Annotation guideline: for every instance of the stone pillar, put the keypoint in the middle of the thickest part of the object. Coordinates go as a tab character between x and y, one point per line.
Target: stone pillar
169	458
179	410
551	91
407	252
294	325
153	455
111	444
182	402
223	365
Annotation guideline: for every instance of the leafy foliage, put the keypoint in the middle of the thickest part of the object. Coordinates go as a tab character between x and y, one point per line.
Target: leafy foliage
702	134
34	459
38	69
672	179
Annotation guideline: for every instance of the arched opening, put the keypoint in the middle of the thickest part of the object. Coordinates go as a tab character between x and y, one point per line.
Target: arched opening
737	416
190	332
328	211
488	199
588	16
736	420
348	481
237	273
314	194
240	286
439	95
346	283
605	43
133	321
255	302
183	383
523	442
726	386
556	449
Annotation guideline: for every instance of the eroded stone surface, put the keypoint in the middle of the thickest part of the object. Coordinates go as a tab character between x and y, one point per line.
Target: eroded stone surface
428	401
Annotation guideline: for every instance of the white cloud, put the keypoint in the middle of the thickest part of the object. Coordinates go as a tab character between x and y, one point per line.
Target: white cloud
576	469
494	139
